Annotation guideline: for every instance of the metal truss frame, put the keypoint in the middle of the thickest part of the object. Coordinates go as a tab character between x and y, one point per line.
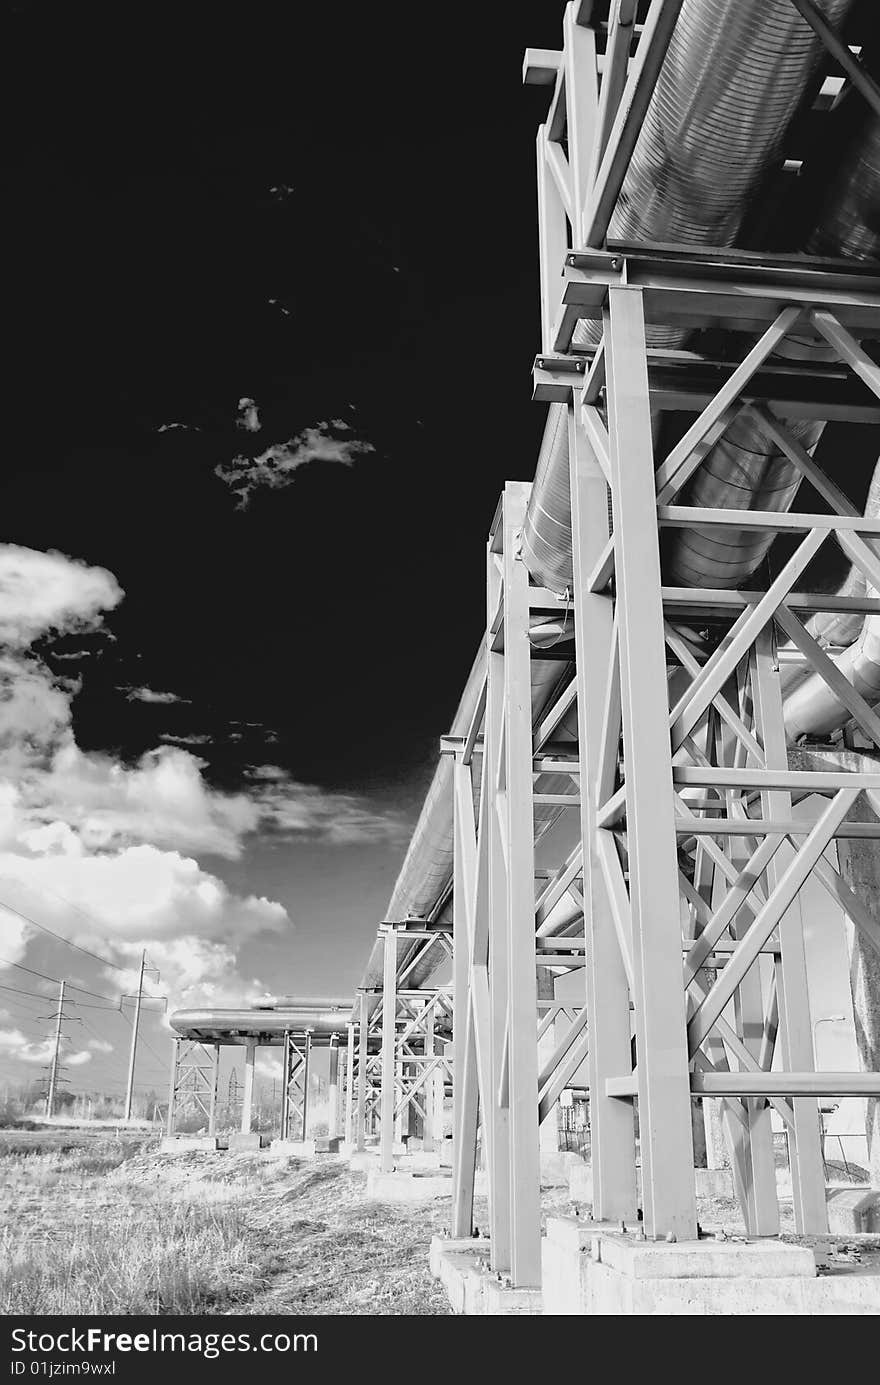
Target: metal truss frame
399	1065
691	857
295	1070
195	1077
414	1066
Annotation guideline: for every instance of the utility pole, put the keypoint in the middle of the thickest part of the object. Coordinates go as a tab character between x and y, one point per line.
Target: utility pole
53	1071
129	1095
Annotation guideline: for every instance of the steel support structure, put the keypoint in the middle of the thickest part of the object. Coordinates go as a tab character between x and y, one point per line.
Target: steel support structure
682	906
502	908
195	1077
295	1074
413	1066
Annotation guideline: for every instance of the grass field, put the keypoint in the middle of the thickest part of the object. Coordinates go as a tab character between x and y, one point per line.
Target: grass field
91	1224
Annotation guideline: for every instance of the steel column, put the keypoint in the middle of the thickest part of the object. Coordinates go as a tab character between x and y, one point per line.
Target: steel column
349	1087
306	1077
333	1091
522	1058
172	1086
215	1084
465	1088
389	1013
612	1132
796	1035
363	1051
250	1054
661	1048
493	785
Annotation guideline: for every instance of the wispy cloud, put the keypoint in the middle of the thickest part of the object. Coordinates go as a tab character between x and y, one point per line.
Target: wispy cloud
276	467
185	740
294	809
150	695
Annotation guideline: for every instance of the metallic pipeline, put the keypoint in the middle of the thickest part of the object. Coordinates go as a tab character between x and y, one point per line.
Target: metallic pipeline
733	78
427	866
219	1024
810	707
292	1002
745	469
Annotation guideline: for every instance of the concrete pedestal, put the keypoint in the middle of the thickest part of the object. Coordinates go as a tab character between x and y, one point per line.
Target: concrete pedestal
590	1270
473	1289
299	1149
713	1182
852	1211
461	1266
328	1144
184	1144
557	1166
242	1140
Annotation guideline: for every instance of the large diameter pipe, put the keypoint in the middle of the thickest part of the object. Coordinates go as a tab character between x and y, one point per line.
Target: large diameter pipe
732	80
229	1023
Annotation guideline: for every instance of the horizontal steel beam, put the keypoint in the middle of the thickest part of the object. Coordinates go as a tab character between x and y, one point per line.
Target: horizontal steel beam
766	1084
816	781
763	827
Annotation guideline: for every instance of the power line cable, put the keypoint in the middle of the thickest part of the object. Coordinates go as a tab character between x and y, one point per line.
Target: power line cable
105	961
56	980
35	995
143	1041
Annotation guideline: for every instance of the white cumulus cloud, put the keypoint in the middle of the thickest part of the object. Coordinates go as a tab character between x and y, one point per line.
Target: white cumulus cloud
42	592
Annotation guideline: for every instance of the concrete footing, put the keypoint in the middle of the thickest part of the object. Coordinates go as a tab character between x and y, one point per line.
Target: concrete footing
713	1182
557	1167
590	1270
184	1144
300	1149
328	1144
247	1140
473	1290
852	1211
580	1183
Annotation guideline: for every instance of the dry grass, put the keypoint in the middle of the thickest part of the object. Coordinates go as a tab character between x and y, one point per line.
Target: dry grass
111	1227
192	1260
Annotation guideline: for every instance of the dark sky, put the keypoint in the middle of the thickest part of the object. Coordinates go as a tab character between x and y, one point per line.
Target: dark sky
342	611
329	210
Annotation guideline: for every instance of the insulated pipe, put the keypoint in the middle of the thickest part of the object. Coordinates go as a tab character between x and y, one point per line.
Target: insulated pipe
810	707
196	1024
745	470
427	866
733	78
293	1002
